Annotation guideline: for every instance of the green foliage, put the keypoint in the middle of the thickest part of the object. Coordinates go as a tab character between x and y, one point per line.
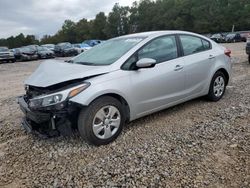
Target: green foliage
206	16
18	41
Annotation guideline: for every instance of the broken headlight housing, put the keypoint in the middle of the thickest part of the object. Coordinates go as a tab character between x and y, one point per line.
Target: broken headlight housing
56	98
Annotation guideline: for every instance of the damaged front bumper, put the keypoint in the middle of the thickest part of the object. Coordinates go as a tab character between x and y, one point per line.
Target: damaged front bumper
48	121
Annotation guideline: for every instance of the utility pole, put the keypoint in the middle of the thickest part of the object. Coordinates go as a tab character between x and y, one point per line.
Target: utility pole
233	29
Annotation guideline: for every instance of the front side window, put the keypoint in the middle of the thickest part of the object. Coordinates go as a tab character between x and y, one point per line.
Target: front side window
161	49
192	44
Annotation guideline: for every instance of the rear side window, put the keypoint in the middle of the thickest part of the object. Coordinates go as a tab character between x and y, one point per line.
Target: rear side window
192	44
161	49
206	44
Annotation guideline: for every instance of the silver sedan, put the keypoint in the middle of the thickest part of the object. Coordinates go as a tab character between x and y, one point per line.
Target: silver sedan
126	78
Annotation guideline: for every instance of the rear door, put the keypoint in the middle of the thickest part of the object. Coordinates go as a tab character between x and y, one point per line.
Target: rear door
198	60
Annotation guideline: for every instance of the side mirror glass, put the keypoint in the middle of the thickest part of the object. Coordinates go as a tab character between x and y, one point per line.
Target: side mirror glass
146	63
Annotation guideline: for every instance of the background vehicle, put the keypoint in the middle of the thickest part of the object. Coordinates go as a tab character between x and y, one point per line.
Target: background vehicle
66	49
33	47
6	55
123	79
81	47
218	37
44	53
49	46
93	42
233	37
25	54
248	48
245	35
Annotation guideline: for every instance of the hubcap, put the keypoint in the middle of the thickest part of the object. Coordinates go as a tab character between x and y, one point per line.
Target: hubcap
106	122
219	86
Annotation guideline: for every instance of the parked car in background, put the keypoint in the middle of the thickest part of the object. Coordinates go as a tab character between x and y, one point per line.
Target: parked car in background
92	43
233	37
78	48
25	54
121	80
245	35
33	47
49	46
218	37
65	49
44	53
6	55
248	49
208	35
85	46
82	47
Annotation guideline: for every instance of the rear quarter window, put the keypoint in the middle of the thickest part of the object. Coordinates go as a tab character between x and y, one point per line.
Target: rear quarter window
193	44
206	44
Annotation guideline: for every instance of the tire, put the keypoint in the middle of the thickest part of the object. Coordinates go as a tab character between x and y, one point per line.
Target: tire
106	126
216	93
13	60
249	59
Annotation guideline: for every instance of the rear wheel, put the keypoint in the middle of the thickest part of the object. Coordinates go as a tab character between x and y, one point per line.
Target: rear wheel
102	121
217	87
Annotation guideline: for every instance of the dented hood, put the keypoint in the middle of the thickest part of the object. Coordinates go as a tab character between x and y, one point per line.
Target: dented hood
53	72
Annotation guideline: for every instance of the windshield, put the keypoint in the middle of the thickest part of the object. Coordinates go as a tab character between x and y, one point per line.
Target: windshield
40	48
85	45
216	36
107	53
77	45
25	50
63	46
3	49
48	45
230	35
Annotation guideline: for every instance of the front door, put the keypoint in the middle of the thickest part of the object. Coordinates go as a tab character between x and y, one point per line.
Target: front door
157	87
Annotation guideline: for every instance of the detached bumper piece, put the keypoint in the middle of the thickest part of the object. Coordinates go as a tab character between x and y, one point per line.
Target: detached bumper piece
44	124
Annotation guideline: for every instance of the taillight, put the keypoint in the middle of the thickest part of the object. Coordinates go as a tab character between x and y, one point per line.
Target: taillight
227	52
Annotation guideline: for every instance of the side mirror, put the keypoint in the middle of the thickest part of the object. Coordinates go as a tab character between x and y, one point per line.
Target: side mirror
146	63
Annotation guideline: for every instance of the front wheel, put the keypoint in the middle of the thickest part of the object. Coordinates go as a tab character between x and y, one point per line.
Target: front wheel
102	121
217	87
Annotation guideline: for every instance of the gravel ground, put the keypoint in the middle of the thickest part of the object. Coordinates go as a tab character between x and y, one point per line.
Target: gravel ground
195	144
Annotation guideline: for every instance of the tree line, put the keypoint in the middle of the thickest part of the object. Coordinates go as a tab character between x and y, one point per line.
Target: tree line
206	16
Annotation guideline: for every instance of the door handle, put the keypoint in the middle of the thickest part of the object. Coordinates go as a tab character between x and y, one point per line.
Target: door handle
178	67
211	57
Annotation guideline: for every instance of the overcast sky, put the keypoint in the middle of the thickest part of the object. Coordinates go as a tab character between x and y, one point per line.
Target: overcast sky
41	17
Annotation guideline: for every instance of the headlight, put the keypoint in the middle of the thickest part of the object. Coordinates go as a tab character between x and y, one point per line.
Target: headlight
56	98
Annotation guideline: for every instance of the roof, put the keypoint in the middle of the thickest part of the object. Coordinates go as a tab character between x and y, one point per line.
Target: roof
155	33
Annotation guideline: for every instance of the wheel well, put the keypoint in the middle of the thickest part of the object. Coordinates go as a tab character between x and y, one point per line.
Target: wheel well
225	73
123	102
